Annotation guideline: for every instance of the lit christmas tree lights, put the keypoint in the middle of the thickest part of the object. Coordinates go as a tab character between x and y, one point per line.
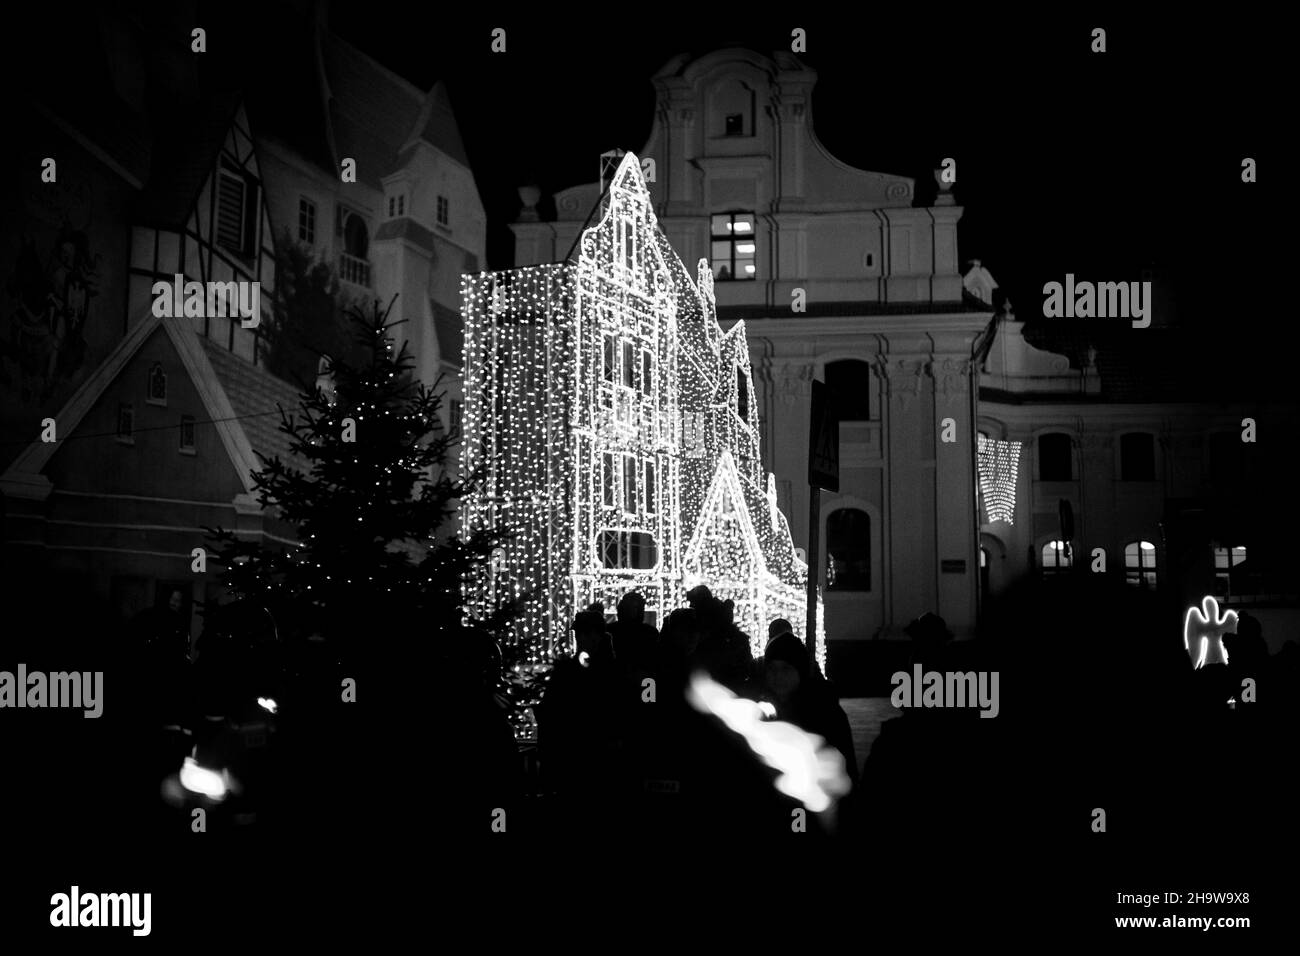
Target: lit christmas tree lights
617	426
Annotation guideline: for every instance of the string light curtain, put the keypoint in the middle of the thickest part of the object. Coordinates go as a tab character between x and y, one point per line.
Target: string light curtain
999	464
612	417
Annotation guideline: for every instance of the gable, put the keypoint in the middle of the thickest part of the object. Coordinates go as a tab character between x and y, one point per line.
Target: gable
723	537
92	458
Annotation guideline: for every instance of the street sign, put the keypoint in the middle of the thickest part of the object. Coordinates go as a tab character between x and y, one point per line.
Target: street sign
823	442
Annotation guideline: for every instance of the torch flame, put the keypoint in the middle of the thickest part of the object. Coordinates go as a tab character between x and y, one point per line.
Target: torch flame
810	772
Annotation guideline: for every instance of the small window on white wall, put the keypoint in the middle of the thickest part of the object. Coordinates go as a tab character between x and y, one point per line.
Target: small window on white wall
306	221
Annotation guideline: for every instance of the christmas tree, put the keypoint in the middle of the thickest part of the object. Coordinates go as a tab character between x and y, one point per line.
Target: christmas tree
367	490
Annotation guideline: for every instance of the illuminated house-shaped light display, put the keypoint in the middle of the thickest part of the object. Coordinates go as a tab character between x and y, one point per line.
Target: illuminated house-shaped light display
617	427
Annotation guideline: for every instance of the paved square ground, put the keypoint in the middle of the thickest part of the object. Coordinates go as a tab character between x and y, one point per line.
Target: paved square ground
865	717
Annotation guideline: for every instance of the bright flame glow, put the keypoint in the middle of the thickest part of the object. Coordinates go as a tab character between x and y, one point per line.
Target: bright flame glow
1207	618
202	780
811	772
266	703
768	710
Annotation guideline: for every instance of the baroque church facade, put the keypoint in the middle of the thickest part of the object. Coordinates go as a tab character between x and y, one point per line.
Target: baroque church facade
837	277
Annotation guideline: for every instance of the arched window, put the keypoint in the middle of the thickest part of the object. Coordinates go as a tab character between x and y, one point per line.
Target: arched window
1055	457
848	550
848	383
1140	564
157	385
1056	559
356	240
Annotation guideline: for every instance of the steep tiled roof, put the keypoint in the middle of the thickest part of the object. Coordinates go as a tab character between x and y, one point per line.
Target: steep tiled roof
112	125
185	153
372	109
437	124
254	394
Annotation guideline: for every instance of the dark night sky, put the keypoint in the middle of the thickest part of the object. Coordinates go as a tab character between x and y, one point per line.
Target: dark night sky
1067	160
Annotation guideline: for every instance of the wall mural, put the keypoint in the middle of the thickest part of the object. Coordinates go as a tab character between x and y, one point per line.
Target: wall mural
49	298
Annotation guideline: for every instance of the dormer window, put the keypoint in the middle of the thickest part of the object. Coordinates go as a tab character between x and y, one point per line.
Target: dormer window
396	205
444	211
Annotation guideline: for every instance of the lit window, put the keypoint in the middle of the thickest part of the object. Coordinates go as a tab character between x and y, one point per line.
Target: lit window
306	221
1137	457
734	247
156	393
187	433
1056	557
444	211
126	423
1140	564
848	550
